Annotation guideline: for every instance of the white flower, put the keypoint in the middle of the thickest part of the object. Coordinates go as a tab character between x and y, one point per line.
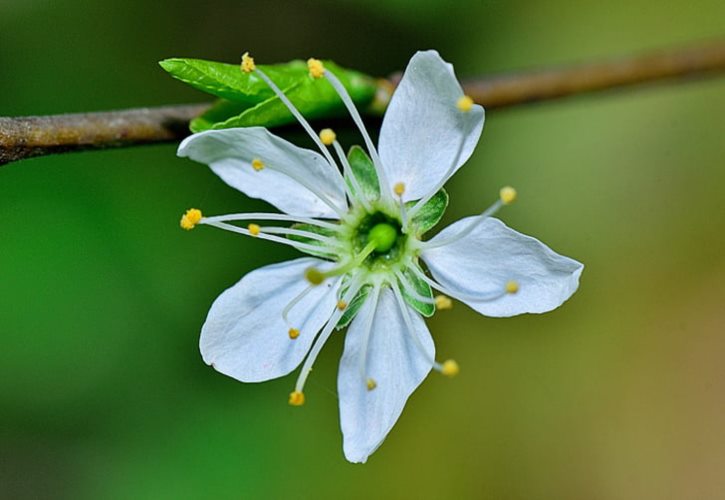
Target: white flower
364	232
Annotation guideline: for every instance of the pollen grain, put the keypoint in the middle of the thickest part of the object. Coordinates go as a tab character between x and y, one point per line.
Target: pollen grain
254	229
248	63
508	195
327	136
450	368
190	219
443	303
296	398
317	69
464	104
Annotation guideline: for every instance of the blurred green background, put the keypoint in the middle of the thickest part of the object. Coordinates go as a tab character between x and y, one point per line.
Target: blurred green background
618	394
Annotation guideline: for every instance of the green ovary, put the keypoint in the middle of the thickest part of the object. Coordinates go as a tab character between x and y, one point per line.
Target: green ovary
384	236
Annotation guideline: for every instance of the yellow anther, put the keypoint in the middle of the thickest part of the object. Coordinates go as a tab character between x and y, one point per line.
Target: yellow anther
399	188
450	368
296	398
248	63
254	229
443	303
314	276
317	69
190	219
341	305
257	164
465	104
327	136
293	333
508	195
512	287
371	384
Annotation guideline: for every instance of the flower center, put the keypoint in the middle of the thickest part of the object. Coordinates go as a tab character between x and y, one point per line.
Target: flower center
386	234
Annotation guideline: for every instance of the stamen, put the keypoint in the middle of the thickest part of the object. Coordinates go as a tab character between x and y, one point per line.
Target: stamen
341	305
288	308
410	290
409	326
247	63
190	219
268	216
330	242
351	175
464	103
257	164
296	244
512	287
367	329
427	245
317	69
297	398
350	105
507	195
491	296
327	136
450	368
443	303
350	294
301	119
315	276
253	230
399	189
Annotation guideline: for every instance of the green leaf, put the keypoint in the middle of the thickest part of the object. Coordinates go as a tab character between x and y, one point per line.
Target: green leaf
220	111
354	306
364	171
423	289
431	213
249	101
309	241
229	82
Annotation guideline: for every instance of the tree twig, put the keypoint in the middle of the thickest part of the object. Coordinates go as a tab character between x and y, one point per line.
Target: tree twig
25	137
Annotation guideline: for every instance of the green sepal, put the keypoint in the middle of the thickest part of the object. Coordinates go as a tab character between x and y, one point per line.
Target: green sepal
309	241
248	101
422	288
355	304
431	213
365	174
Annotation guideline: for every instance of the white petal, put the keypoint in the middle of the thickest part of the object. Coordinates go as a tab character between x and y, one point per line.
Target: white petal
393	360
230	152
244	335
423	129
493	254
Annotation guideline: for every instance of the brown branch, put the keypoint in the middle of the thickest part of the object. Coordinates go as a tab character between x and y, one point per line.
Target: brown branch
25	137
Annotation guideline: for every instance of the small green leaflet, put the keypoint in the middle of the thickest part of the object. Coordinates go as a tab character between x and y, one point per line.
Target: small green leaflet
364	170
246	100
431	213
422	288
354	306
